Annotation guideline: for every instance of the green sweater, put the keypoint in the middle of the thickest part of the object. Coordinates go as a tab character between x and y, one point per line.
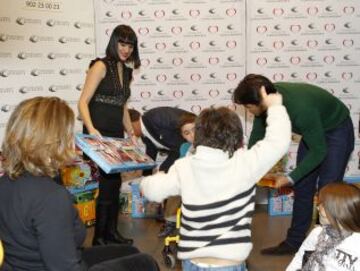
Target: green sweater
313	111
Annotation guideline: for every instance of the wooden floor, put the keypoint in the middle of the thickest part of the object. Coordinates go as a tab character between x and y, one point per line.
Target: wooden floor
266	231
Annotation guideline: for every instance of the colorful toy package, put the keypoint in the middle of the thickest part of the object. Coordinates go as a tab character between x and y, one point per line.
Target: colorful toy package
280	201
141	207
85	203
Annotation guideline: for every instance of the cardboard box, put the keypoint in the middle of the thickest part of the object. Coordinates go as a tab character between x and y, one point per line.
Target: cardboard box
280	201
85	203
125	203
114	155
87	212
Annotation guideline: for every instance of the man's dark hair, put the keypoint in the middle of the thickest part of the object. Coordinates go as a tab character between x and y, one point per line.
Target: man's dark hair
123	33
134	115
219	128
248	90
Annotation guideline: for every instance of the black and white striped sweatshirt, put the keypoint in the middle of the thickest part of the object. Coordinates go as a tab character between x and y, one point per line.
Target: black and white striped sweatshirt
218	192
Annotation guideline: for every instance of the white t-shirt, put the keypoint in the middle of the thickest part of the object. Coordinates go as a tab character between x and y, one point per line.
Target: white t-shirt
345	257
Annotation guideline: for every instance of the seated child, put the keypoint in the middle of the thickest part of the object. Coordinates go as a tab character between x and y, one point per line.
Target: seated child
217	185
187	130
186	127
333	246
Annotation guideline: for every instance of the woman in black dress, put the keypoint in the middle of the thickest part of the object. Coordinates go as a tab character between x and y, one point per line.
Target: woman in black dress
103	108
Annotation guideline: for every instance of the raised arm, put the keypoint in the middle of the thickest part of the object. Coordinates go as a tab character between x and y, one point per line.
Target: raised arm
267	152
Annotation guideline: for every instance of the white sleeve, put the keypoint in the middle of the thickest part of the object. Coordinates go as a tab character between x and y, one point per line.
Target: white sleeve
160	186
308	245
267	152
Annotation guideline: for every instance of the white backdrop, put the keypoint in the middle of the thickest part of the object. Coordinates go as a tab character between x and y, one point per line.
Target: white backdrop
311	41
193	52
45	48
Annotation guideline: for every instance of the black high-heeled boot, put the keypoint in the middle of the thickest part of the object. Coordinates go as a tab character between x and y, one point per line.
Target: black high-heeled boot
112	234
102	211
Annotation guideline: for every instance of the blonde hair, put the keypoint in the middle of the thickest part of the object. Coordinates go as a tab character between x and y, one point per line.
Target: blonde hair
341	203
38	138
1	253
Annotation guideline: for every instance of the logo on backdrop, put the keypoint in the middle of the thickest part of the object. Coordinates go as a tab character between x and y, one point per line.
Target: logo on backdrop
214	93
25	55
161	78
177	61
311	76
160	46
194	45
143	31
261	29
195	77
27	89
213	60
231	12
194	13
231	44
278	76
196	109
231	76
159	13
145	62
329	27
145	94
178	93
176	30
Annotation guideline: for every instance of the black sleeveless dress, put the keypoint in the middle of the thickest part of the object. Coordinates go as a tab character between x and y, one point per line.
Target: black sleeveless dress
107	104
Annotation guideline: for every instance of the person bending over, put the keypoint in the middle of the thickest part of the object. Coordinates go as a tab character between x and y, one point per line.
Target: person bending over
327	141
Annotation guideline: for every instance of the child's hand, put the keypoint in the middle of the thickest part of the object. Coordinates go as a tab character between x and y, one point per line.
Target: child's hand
268	100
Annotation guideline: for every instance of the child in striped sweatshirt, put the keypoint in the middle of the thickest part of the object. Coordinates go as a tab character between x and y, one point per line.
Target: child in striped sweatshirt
217	185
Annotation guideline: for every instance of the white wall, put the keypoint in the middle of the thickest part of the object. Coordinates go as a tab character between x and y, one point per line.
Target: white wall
45	48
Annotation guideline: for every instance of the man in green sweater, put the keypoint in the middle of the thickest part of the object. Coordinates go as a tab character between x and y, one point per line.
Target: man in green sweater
327	141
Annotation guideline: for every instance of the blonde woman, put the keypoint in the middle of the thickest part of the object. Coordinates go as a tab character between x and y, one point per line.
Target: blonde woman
39	226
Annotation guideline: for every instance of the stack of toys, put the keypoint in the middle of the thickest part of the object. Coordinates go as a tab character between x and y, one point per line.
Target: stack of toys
80	178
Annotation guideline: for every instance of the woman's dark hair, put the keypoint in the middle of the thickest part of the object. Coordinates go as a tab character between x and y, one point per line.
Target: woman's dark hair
123	33
248	90
219	128
341	203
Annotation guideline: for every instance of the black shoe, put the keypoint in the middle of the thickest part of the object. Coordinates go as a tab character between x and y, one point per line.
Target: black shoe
98	242
117	238
168	229
282	249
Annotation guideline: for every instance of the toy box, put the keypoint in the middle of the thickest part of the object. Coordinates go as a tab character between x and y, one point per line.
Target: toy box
114	155
85	204
125	203
141	207
280	201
